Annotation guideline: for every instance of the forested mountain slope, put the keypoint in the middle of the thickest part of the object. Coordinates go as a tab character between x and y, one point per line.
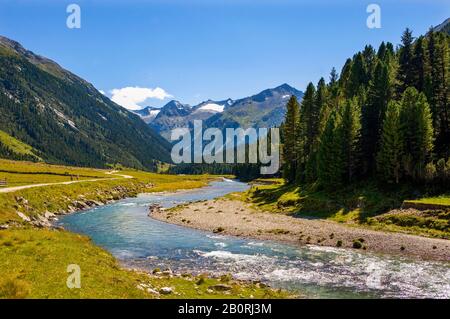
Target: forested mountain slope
66	119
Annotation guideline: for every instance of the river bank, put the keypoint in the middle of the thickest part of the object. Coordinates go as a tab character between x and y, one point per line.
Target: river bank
232	217
35	253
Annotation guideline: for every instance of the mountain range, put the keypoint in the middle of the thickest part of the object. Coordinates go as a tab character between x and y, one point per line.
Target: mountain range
64	119
265	109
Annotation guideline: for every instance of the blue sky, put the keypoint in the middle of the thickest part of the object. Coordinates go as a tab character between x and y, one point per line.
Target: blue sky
200	49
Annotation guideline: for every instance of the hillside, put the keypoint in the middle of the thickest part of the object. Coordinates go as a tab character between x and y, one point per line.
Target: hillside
65	119
12	148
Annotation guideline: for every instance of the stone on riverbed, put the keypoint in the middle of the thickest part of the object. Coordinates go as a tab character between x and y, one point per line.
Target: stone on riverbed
154	209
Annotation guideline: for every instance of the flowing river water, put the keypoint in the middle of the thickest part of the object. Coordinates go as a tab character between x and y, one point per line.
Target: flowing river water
138	241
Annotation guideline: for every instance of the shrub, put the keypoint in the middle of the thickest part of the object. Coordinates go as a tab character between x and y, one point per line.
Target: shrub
339	243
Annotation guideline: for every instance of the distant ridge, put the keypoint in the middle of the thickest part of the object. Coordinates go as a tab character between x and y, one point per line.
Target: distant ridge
265	109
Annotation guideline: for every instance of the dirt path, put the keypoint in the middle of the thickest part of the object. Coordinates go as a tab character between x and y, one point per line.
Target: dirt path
18	188
238	219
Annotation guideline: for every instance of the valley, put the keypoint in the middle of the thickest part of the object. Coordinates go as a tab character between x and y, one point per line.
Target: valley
351	201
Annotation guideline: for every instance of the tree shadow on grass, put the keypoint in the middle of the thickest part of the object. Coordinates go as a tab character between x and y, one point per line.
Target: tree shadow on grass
357	202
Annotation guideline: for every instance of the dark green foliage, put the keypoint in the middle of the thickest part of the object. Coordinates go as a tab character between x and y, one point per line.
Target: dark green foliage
378	95
359	76
350	130
309	118
386	116
417	131
330	165
391	148
438	92
405	74
291	135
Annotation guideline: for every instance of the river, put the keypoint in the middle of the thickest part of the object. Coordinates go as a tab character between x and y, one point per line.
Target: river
138	241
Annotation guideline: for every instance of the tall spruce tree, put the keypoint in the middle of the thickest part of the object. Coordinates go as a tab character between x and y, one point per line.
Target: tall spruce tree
291	137
405	74
389	157
419	64
330	168
322	105
350	130
438	92
373	111
417	125
309	119
358	76
370	60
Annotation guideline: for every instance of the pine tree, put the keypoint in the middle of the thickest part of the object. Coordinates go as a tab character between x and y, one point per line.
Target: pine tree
334	77
438	92
373	111
389	157
370	59
382	51
350	129
290	139
309	119
345	77
419	64
330	167
321	105
333	87
416	121
358	76
405	72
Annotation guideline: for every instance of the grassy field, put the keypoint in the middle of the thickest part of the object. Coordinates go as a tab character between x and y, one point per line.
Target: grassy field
23	173
443	200
58	198
33	264
360	205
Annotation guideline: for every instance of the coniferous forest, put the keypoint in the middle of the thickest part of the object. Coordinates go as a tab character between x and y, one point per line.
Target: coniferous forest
385	117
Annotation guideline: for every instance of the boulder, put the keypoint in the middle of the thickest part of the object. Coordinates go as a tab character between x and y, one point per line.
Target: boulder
24	217
165	290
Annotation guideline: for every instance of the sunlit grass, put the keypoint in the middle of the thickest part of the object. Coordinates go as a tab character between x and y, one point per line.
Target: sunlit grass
33	264
16	146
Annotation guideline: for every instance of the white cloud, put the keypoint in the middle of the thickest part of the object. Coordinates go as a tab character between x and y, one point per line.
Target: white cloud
102	92
130	97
